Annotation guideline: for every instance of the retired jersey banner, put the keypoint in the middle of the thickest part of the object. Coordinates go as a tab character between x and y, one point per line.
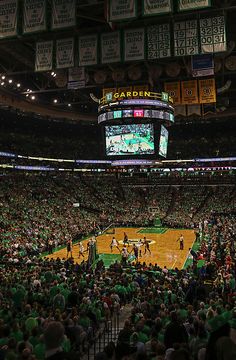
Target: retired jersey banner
65	53
173	89
207	91
189	92
88	50
122	10
134	44
63	13
193	4
34	16
8	18
110	47
156	7
43	61
213	34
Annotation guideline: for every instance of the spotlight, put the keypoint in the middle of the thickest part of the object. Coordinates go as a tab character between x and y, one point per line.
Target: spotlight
10	81
2	83
18	85
55	101
3	77
32	97
52	73
69	105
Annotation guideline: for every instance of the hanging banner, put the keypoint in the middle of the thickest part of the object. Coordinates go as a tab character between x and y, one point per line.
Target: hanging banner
65	53
194	110
156	7
34	16
134	44
43	61
122	10
76	78
213	34
193	4
8	18
63	14
88	50
189	92
110	48
186	38
158	41
202	65
207	91
173	89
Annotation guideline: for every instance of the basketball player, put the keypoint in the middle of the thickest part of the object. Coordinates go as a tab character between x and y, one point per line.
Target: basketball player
124	255
81	249
69	248
146	245
135	251
126	240
139	244
181	242
114	243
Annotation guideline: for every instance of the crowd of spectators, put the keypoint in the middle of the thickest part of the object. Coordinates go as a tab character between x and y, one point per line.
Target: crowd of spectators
55	309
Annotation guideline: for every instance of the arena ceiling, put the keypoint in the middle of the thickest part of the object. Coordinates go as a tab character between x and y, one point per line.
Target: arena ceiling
17	63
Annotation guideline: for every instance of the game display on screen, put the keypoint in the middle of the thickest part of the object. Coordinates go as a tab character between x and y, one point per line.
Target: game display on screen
163	141
133	139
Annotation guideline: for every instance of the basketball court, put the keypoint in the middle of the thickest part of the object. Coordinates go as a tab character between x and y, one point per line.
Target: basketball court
164	246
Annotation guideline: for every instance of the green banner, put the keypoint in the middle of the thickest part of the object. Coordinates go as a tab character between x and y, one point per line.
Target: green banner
34	16
120	10
63	14
156	7
193	4
88	50
8	18
110	47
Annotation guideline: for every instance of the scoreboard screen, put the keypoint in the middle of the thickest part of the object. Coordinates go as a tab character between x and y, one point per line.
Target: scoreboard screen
128	140
163	145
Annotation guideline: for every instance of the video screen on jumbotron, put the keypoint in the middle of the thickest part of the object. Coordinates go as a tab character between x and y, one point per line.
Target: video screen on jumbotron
133	139
163	145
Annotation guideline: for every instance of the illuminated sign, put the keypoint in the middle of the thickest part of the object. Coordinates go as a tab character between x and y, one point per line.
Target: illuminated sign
117	114
138	113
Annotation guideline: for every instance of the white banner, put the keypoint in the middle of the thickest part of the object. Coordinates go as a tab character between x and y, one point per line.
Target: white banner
76	74
63	14
34	16
8	18
122	10
88	50
65	53
193	4
134	44
110	48
156	7
43	61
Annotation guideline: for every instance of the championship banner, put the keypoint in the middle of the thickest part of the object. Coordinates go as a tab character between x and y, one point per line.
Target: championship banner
193	4
34	16
189	92
156	7
88	50
213	34
134	40
122	10
8	18
207	91
158	41
110	48
173	89
65	53
63	14
43	61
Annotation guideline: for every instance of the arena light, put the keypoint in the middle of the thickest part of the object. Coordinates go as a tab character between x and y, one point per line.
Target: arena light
3	77
32	97
18	85
55	101
69	105
2	83
10	81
